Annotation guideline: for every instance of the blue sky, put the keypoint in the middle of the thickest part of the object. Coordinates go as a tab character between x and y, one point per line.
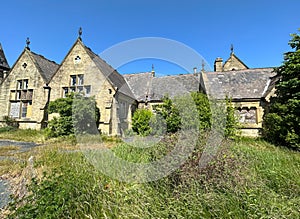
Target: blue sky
258	29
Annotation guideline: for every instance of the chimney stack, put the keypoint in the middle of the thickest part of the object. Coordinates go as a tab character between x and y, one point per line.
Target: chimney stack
195	70
218	64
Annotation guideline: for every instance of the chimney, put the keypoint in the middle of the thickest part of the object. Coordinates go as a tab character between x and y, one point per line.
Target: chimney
195	70
218	64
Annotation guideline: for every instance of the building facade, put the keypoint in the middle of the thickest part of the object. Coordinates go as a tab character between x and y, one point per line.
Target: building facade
33	81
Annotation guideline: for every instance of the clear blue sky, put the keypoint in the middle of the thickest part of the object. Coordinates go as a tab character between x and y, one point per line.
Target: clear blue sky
258	29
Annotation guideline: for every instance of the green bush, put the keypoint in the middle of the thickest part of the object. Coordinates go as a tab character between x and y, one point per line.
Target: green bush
11	122
77	115
203	108
7	129
141	122
231	129
170	113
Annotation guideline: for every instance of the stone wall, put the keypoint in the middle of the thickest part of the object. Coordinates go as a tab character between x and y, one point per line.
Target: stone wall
79	62
233	63
31	93
250	116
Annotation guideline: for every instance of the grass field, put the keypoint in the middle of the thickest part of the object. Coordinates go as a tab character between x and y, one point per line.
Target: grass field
247	179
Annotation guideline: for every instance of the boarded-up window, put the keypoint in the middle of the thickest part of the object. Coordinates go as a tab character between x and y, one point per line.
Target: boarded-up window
247	115
15	110
123	110
20	99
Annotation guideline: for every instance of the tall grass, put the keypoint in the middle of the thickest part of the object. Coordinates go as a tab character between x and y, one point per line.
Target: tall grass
29	135
249	179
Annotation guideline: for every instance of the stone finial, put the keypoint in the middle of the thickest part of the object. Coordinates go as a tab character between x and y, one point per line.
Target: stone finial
153	71
203	66
231	48
28	43
79	33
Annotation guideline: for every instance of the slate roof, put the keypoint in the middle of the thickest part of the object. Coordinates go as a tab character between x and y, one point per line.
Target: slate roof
47	68
146	87
139	84
240	84
111	74
3	62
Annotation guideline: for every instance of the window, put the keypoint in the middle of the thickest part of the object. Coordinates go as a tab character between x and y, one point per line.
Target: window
73	80
87	90
18	95
29	94
24	95
123	110
247	115
25	84
19	84
80	79
65	91
20	99
80	89
24	110
77	85
77	59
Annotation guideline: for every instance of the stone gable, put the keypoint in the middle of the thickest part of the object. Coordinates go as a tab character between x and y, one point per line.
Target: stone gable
82	71
23	96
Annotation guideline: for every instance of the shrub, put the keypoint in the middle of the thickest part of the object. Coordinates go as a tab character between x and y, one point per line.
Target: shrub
77	115
11	122
232	124
140	122
170	113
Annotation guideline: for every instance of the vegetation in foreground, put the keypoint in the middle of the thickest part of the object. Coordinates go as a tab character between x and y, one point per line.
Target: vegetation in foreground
247	179
282	120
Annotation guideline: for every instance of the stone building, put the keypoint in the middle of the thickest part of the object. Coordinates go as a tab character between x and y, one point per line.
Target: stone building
85	72
249	89
4	67
33	81
23	94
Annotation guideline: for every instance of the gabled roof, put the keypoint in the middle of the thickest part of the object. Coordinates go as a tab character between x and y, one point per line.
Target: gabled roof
139	84
46	67
110	73
3	62
146	87
231	59
241	84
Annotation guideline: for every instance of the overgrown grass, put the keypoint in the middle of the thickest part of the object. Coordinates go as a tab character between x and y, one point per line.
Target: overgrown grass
249	179
29	135
8	150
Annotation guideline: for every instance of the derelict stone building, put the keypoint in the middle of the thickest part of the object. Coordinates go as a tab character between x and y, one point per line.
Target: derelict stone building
33	81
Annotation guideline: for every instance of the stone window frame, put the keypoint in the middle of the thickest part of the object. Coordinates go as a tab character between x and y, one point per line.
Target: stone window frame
123	109
76	84
248	108
22	95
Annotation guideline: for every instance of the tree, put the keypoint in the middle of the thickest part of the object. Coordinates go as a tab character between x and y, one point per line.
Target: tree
170	113
282	119
203	108
232	124
77	115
